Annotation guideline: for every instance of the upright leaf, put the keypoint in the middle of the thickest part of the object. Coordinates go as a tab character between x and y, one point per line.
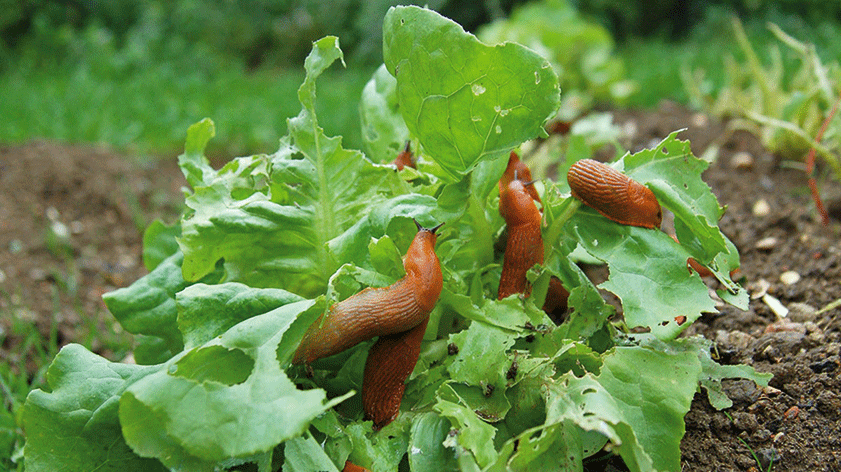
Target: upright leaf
270	217
383	131
465	101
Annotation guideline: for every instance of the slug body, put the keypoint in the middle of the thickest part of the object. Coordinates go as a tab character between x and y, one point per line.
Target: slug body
390	362
379	311
524	248
614	194
351	467
405	158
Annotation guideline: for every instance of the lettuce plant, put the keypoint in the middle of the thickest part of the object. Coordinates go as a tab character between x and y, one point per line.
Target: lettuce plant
268	242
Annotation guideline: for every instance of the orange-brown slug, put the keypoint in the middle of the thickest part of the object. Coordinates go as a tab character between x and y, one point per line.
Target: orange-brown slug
379	311
613	194
516	170
524	248
390	362
405	158
351	467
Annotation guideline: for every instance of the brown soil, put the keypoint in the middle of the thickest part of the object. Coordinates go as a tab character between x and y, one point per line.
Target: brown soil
102	199
71	220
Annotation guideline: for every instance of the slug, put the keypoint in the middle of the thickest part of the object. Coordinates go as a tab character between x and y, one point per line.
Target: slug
516	170
390	362
379	311
524	248
405	158
522	256
613	194
692	264
351	467
556	302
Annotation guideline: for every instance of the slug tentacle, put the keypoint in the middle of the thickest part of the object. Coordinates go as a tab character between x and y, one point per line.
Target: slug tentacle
614	194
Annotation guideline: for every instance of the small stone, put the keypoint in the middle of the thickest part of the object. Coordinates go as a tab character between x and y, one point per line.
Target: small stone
37	274
52	214
785	325
758	289
742	160
789	277
775	305
700	120
761	208
771	391
802	312
767	457
76	227
766	244
740	340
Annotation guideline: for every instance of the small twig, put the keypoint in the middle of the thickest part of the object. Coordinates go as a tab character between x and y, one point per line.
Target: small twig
810	164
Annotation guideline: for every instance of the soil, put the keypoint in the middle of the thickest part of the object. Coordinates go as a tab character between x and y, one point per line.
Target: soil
71	219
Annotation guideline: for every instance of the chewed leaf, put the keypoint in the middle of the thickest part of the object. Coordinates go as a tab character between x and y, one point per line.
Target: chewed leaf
465	101
647	272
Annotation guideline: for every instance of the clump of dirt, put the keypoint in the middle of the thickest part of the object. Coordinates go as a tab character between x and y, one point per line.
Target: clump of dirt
71	220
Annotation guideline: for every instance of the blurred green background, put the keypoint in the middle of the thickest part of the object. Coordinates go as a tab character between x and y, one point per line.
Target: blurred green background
134	74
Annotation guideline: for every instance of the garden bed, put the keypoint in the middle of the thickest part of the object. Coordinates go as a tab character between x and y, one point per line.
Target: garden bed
70	219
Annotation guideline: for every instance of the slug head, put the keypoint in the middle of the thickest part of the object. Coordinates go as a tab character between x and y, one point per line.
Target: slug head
517	206
648	212
517	170
422	266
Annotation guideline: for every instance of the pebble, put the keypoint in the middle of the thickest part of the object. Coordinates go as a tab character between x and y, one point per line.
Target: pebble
802	312
789	277
76	227
758	289
52	214
766	244
785	325
767	457
742	160
761	208
775	305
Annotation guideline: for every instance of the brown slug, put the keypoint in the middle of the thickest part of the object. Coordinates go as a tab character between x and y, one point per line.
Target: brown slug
524	247
379	311
614	194
390	362
405	158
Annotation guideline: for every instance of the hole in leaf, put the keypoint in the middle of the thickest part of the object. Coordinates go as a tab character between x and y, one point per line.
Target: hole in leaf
215	364
588	390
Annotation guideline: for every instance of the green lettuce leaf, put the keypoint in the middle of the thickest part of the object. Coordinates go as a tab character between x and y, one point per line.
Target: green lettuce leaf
383	131
270	217
73	425
227	398
463	100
